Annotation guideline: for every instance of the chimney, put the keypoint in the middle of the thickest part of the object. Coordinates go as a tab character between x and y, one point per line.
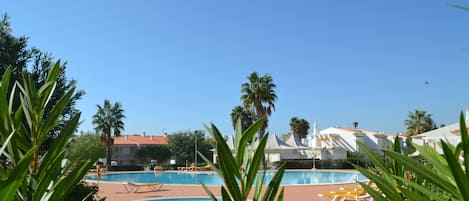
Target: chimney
126	137
151	137
143	134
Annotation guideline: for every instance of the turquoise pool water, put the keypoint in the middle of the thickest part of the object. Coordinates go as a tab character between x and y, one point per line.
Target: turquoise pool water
189	178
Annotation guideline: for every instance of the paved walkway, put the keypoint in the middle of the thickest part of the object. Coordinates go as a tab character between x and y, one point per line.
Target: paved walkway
292	193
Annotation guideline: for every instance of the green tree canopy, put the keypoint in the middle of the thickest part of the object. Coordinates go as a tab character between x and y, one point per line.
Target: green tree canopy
161	153
81	147
299	127
182	144
419	122
258	96
240	113
109	121
14	52
30	175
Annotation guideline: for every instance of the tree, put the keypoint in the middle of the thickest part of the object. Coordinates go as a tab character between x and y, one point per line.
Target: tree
83	146
258	96
30	175
419	122
32	61
240	113
182	145
109	122
299	127
147	153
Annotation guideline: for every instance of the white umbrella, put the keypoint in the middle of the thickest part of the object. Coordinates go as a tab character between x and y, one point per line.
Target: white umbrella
316	136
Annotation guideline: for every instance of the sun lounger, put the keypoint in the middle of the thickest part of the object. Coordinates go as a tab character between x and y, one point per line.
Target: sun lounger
133	187
204	168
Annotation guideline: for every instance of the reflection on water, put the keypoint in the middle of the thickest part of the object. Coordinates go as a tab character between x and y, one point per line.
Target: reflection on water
289	178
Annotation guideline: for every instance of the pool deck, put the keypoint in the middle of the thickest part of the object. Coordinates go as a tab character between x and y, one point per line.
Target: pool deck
295	193
117	191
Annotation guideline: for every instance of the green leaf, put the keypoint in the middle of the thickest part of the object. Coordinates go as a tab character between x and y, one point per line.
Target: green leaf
373	157
385	185
458	174
274	184
464	142
247	136
424	172
211	195
9	188
421	189
253	167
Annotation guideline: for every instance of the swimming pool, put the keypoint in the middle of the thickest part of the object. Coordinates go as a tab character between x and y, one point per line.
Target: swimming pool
190	178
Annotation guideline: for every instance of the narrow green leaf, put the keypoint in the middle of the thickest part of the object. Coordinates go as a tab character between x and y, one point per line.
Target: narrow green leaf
10	187
421	189
274	184
210	194
372	156
5	143
458	174
424	172
253	167
464	142
280	195
382	183
247	136
52	119
378	196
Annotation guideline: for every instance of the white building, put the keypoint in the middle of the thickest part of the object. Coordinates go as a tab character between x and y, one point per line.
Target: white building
450	133
329	144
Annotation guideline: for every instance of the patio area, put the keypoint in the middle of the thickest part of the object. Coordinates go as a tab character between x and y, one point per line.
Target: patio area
113	191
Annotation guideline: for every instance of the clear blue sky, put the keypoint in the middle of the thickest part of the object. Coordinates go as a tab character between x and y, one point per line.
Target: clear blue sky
176	65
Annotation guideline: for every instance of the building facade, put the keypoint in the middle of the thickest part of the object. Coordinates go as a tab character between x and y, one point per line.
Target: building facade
125	147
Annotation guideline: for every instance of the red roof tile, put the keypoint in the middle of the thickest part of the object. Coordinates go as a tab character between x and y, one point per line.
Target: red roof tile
139	139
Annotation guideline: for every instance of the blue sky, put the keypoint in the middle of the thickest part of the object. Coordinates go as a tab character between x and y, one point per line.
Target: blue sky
176	65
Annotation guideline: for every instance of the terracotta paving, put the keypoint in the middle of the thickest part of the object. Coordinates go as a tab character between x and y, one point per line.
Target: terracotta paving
292	193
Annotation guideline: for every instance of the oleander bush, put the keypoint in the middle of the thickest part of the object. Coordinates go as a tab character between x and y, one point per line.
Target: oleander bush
27	173
431	177
239	170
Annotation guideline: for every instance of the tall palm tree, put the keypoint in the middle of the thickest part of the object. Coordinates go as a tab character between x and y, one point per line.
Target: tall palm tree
109	122
299	127
258	96
240	113
419	122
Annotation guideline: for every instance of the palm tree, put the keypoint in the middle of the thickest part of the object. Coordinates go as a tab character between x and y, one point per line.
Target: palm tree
109	122
355	124
258	96
419	122
299	127
240	113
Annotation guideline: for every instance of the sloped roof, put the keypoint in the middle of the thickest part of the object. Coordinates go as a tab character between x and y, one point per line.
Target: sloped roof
358	130
140	140
275	143
293	143
442	132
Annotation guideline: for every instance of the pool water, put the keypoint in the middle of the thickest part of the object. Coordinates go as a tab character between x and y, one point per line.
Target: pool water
189	178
